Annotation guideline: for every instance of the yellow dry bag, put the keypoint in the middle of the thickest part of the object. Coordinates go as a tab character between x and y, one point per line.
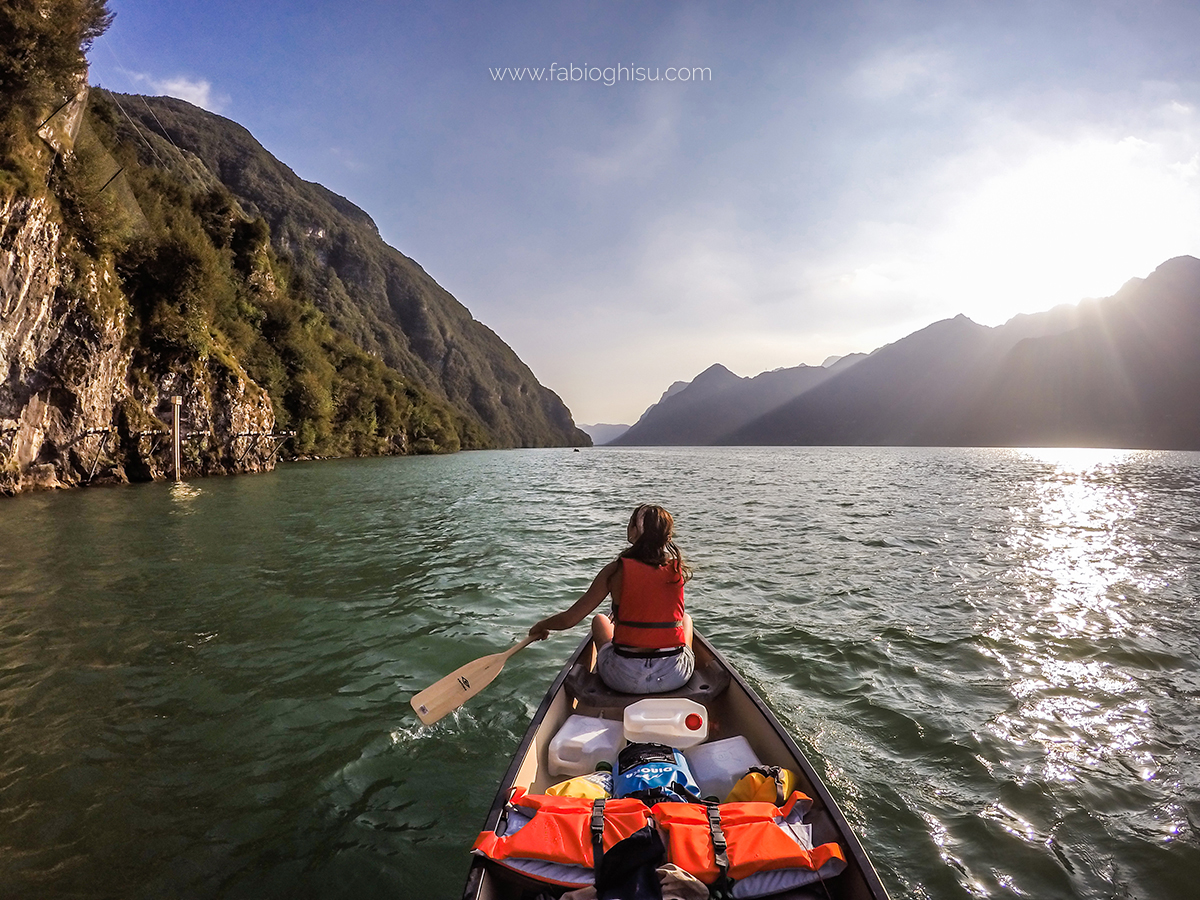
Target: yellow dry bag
596	786
765	784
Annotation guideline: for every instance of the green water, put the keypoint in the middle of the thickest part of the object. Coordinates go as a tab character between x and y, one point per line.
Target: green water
990	655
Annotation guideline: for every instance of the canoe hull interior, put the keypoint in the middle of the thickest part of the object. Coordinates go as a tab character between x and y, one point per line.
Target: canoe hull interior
735	710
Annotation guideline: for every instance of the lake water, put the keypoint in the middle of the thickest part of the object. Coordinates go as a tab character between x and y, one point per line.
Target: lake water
992	656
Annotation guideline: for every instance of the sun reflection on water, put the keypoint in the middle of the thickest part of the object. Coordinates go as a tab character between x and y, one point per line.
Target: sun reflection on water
1071	588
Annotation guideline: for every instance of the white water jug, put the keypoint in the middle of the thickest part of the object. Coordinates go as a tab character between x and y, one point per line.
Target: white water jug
673	721
718	766
582	743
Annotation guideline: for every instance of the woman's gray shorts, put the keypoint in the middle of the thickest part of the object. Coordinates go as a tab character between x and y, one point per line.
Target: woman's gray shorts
649	675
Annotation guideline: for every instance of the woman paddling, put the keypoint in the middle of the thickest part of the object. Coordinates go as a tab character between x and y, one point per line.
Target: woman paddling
646	646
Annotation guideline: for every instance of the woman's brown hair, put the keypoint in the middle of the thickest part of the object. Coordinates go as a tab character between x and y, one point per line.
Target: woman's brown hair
655	542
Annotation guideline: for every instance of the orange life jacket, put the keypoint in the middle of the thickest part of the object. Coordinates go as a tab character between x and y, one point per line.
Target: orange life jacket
752	841
650	615
565	829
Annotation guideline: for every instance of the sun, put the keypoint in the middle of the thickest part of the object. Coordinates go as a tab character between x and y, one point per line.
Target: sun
1071	221
1026	226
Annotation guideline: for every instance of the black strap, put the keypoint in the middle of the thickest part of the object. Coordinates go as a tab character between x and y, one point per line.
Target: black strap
672	793
722	886
776	773
597	832
621	650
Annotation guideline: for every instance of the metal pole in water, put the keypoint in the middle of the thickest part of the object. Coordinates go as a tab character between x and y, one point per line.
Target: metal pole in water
175	401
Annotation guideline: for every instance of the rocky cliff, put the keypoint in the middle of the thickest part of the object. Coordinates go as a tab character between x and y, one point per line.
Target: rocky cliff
130	275
73	409
165	256
107	313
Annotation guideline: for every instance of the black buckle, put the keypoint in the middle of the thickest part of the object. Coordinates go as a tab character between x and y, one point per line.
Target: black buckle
776	774
718	837
722	888
597	832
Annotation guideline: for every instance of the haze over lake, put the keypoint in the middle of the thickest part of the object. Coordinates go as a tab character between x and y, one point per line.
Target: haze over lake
990	656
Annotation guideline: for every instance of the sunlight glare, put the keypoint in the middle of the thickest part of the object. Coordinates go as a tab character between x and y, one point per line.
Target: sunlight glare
1071	222
1082	710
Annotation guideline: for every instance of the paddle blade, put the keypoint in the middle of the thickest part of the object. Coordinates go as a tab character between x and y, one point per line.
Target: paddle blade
449	693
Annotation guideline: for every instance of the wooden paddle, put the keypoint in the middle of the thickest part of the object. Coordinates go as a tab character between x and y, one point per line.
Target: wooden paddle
449	693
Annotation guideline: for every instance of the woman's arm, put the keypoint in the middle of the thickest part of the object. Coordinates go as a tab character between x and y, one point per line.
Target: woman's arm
580	609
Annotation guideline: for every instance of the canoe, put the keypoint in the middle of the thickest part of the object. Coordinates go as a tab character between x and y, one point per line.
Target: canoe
733	707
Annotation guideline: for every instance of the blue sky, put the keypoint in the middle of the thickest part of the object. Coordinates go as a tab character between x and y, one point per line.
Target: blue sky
844	173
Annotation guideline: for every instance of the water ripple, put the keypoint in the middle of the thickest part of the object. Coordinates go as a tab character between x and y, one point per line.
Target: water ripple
990	655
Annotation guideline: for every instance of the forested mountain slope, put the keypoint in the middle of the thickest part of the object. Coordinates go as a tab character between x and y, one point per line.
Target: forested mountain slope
381	299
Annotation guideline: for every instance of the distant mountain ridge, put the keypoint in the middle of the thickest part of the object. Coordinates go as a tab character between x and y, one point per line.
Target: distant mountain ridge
603	432
1118	372
717	402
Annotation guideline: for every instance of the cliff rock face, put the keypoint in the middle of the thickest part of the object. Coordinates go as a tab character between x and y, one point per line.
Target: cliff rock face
72	411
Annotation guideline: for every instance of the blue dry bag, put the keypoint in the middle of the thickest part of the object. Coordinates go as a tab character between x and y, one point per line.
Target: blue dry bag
655	772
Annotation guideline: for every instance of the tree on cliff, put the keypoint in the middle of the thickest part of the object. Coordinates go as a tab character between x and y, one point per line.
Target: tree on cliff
42	57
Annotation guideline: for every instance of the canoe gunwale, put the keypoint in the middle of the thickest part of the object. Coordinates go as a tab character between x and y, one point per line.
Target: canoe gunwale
846	835
510	775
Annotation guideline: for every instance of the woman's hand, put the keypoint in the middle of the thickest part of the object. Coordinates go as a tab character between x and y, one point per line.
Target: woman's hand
585	605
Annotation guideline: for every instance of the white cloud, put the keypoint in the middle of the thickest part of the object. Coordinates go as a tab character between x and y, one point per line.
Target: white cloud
198	92
348	158
632	151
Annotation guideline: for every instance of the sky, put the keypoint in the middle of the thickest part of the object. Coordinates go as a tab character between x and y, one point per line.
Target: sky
828	177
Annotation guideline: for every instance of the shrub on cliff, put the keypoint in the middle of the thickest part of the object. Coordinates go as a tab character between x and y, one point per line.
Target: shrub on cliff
205	286
371	292
42	63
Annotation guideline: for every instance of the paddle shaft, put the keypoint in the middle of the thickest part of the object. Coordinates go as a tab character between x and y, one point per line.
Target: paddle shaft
449	693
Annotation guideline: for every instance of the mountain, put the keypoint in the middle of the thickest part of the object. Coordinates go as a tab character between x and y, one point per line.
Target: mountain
126	289
382	300
1117	372
135	281
674	389
603	432
1128	375
717	402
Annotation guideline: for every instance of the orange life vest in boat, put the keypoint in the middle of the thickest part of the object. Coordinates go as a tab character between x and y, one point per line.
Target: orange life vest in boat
753	842
650	615
564	829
